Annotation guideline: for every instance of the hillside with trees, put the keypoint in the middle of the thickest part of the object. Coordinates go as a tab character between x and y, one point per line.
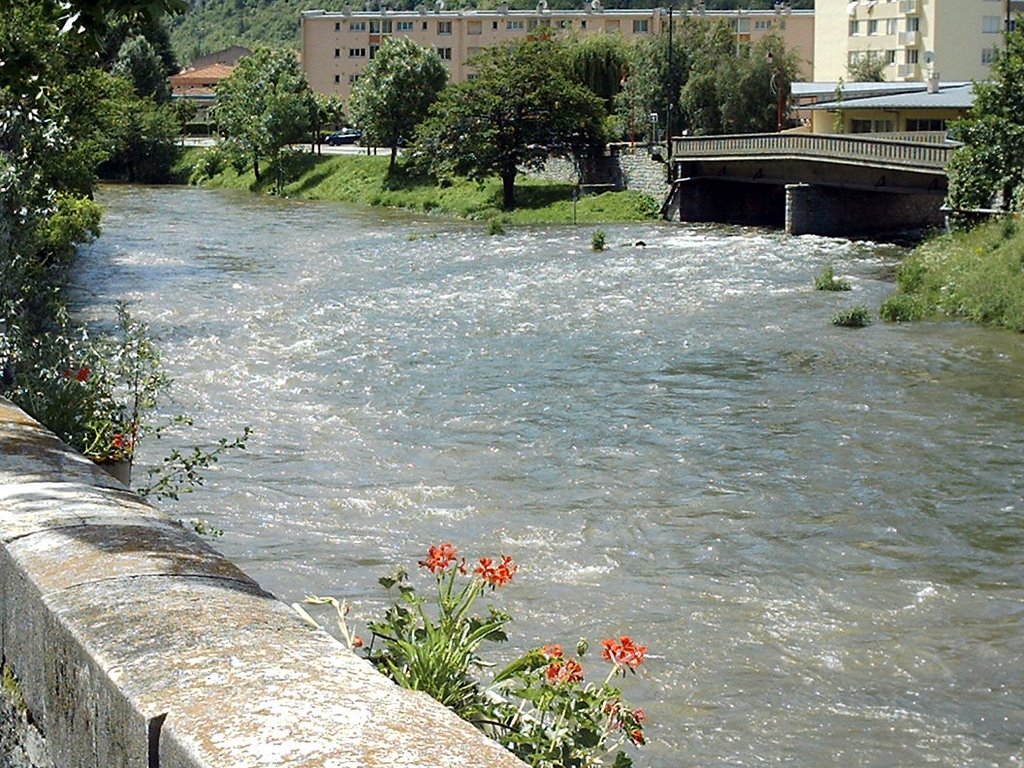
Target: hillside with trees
211	25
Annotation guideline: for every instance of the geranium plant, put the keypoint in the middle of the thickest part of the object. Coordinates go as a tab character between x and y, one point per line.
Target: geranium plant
540	705
102	394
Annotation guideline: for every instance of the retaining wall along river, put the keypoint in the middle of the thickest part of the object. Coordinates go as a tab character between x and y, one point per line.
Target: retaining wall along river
134	643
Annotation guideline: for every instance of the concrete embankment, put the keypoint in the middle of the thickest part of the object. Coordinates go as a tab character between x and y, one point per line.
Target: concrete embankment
134	643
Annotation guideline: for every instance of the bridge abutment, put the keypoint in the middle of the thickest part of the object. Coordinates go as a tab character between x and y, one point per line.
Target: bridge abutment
729	201
813	209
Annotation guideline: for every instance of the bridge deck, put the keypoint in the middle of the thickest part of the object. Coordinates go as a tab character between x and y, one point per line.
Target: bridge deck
926	156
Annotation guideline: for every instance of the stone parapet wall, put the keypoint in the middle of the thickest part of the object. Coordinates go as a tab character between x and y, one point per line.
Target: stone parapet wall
135	643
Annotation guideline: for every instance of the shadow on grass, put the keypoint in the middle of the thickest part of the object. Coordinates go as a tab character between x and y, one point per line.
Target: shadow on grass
541	196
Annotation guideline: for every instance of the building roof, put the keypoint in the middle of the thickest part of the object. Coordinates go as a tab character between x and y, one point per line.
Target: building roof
948	96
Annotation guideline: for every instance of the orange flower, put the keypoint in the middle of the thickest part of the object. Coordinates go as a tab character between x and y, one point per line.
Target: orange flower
357	641
624	653
559	673
497	575
637	737
552	651
439	558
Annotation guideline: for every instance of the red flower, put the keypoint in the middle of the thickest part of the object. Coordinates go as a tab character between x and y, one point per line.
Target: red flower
552	651
497	575
637	737
624	653
559	673
83	373
357	641
439	558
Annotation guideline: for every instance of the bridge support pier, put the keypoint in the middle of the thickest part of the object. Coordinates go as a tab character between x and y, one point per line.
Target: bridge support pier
813	209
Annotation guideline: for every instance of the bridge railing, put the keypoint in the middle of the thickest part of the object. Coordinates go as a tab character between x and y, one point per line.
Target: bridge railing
862	149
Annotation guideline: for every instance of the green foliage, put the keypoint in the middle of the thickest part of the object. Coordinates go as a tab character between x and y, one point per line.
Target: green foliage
826	280
598	63
868	69
539	705
330	113
395	91
989	168
977	275
139	63
738	93
597	240
266	105
495	226
853	317
651	84
521	108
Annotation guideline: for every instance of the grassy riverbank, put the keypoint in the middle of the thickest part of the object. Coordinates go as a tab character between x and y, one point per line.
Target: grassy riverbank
977	275
363	180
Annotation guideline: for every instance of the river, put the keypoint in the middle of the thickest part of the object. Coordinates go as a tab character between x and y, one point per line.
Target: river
817	531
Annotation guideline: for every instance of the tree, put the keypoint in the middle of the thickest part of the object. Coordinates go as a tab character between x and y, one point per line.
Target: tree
138	62
745	92
991	163
867	69
521	108
395	91
265	105
599	62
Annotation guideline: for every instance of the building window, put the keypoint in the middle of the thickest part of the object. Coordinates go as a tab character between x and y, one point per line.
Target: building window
357	53
352	79
474	28
404	26
871	126
357	26
445	54
911	56
514	24
890	56
337	26
925	124
378	27
444	27
472	52
337	53
854	28
564	24
583	24
987	55
991	25
639	26
762	24
913	23
337	79
611	25
424	26
373	51
873	27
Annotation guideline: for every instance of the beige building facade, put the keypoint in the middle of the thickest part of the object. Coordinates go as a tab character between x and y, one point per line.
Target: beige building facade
337	46
954	39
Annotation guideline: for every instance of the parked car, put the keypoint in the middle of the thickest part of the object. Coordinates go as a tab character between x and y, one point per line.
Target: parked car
344	136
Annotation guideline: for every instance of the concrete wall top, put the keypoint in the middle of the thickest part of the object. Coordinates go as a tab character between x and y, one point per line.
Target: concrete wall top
135	643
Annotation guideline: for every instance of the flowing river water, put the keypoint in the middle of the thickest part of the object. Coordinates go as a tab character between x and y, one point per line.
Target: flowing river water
818	532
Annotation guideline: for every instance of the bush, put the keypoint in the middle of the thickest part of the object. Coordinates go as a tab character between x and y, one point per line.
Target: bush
901	308
826	280
495	226
597	241
854	317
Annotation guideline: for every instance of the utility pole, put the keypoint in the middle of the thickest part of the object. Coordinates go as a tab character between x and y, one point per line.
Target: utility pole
671	95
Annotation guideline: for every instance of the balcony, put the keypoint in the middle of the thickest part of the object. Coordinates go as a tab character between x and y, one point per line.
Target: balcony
910	39
908	7
908	71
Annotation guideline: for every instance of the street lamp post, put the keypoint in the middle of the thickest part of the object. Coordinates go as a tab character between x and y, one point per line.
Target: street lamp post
777	91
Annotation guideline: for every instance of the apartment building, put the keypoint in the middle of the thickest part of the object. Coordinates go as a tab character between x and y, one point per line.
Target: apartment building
336	46
954	39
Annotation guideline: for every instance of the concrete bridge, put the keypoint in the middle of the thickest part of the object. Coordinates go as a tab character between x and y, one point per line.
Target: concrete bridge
812	183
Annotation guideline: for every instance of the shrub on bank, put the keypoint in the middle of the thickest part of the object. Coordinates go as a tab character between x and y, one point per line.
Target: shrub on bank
977	275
